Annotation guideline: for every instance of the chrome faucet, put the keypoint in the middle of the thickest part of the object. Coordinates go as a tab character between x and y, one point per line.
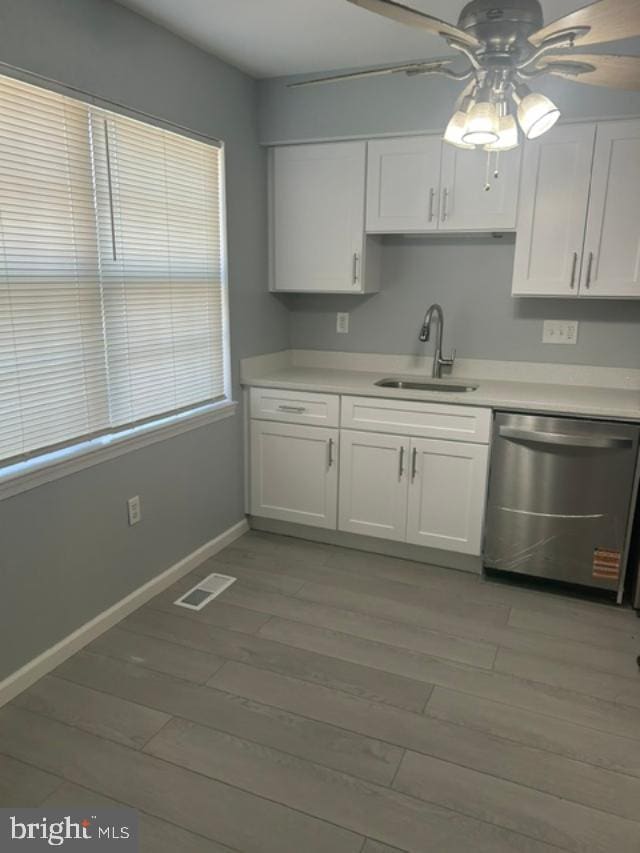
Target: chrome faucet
425	332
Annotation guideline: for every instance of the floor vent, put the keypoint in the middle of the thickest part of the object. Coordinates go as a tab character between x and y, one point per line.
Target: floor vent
205	591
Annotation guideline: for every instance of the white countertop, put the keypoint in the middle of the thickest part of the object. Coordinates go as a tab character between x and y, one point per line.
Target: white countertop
577	399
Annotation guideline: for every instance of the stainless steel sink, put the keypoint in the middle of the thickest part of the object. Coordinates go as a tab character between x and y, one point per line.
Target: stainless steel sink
411	385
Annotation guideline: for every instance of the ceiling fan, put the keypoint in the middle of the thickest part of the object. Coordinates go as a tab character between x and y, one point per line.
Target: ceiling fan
507	45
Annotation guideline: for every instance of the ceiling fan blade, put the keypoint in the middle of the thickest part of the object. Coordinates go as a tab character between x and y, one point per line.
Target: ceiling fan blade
414	18
620	72
606	20
431	67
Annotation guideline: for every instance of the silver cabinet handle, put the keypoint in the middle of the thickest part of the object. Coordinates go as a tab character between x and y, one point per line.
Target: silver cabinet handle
432	198
356	268
298	410
330	453
445	204
414	463
401	471
574	268
602	442
589	271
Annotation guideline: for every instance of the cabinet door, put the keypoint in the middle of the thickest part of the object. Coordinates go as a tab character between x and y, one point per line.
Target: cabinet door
447	494
317	217
403	184
373	484
612	248
556	175
294	473
466	204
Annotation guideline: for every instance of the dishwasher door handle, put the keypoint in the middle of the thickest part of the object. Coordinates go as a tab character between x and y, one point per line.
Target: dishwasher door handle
600	442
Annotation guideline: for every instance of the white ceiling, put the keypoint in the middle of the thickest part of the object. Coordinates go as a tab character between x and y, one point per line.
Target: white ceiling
270	38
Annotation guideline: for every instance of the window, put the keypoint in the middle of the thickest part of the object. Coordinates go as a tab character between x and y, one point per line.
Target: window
112	280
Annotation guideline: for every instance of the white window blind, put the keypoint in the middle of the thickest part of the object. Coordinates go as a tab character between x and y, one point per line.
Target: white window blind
112	286
160	236
52	370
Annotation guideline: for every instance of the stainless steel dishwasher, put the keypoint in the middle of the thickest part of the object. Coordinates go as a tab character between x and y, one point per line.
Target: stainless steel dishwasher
561	494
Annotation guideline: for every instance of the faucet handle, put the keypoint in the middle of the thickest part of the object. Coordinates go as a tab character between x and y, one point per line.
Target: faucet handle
449	362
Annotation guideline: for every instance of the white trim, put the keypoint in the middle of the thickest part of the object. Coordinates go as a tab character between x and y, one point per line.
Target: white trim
53	657
52	466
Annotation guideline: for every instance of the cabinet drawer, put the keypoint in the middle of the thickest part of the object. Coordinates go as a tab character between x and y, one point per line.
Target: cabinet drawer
407	417
295	407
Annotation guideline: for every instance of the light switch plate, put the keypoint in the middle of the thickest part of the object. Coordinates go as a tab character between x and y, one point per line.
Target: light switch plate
560	332
342	323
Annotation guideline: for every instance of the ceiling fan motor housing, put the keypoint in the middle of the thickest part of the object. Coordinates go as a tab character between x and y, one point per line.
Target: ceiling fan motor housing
503	26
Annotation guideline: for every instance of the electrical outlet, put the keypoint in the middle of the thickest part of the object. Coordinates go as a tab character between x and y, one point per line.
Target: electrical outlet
342	323
134	509
560	332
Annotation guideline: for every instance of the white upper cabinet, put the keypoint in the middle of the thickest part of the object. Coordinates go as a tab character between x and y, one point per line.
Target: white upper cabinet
554	197
466	204
403	184
419	184
317	197
579	223
611	266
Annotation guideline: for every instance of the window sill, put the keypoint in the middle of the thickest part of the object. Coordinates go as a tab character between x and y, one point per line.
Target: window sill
52	466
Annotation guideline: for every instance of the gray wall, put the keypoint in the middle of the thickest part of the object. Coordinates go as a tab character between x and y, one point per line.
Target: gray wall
470	276
66	552
401	104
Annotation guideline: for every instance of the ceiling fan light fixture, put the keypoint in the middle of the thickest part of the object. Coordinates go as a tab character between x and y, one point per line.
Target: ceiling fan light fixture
483	124
456	130
508	136
537	114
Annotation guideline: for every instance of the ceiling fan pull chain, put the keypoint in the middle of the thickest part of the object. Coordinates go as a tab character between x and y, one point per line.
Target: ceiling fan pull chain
487	180
496	172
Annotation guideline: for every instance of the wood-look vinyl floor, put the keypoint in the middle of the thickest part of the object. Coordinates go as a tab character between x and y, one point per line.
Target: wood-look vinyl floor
333	701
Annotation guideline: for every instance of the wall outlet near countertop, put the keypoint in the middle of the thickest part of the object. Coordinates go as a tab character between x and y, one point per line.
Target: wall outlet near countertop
560	332
342	323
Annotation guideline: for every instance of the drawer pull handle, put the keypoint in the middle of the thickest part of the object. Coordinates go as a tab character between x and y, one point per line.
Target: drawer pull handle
432	198
414	463
401	471
297	410
330	453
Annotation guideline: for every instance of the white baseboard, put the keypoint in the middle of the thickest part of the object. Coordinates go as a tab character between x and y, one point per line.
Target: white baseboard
53	657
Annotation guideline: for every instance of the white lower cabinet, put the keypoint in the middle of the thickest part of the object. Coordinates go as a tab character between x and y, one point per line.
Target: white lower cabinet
421	491
447	495
373	484
294	473
395	482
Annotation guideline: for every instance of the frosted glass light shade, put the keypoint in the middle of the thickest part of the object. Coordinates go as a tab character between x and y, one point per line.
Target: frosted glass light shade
537	114
507	136
455	130
483	124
